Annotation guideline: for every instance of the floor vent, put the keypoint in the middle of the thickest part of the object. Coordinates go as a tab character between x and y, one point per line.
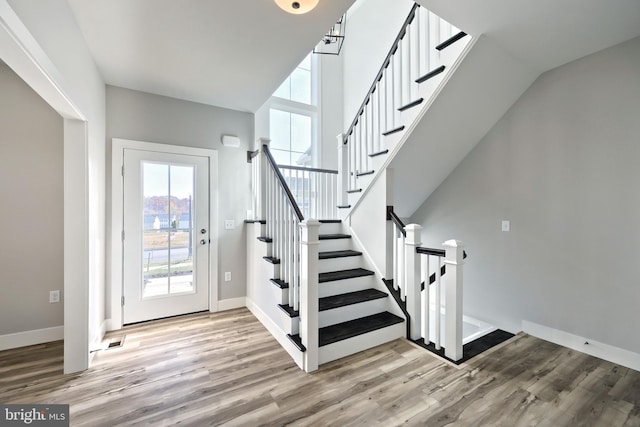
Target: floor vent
111	343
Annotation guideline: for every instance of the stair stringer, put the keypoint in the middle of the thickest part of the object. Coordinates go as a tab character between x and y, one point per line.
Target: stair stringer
477	89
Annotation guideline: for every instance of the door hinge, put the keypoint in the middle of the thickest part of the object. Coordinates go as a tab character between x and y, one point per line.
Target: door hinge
122	235
122	170
122	301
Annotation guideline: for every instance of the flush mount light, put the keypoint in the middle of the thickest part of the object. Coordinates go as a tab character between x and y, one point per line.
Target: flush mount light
297	7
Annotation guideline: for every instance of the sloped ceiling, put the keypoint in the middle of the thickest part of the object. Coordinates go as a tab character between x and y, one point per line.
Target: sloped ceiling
544	34
228	53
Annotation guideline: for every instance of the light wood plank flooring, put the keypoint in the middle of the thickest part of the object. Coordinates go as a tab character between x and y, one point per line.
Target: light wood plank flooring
225	369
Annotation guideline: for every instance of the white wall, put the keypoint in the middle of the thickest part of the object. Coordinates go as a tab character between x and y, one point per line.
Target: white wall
31	194
331	109
372	26
53	28
562	165
145	117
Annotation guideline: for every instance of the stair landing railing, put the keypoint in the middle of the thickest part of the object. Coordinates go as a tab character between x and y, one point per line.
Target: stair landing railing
293	245
414	58
412	278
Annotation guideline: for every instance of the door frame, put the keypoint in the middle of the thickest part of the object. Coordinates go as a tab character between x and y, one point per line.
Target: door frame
115	286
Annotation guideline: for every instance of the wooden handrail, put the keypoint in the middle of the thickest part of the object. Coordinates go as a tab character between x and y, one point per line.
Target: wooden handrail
391	216
385	64
304	169
283	183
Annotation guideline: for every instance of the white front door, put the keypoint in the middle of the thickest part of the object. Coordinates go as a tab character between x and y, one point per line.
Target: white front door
166	235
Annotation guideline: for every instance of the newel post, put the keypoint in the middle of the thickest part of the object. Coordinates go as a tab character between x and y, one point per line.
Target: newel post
453	295
343	171
262	177
309	292
412	277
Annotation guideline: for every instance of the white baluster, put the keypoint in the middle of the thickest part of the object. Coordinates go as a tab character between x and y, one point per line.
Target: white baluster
453	289
413	283
296	264
403	284
309	292
395	275
343	171
438	304
425	299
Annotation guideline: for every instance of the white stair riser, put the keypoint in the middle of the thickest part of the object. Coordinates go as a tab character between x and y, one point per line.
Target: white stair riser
335	245
359	343
330	228
289	325
281	296
344	263
351	312
338	287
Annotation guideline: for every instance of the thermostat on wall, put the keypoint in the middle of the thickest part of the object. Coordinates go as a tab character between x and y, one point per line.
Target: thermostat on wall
230	141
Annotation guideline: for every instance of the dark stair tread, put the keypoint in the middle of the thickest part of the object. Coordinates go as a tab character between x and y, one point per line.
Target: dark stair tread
280	283
289	311
379	153
344	274
359	174
353	328
337	301
350	298
330	221
297	341
392	131
343	206
333	236
255	221
431	74
355	190
265	239
451	40
338	254
411	104
271	259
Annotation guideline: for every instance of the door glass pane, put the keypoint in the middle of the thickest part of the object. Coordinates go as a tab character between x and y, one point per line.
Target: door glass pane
168	229
155	252
182	235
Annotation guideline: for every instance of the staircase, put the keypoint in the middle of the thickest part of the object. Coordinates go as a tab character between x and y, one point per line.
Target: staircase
308	281
353	310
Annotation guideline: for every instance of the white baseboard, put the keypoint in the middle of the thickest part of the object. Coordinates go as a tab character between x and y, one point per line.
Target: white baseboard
607	352
231	303
26	338
277	333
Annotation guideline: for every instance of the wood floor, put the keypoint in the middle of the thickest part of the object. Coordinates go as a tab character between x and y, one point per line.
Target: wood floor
225	369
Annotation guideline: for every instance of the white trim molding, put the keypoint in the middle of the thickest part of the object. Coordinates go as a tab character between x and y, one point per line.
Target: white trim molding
588	346
27	338
231	303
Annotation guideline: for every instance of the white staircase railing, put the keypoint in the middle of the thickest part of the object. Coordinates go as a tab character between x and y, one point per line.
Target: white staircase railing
413	278
293	248
315	190
414	58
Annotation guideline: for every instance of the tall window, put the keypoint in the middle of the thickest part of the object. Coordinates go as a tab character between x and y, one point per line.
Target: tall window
293	117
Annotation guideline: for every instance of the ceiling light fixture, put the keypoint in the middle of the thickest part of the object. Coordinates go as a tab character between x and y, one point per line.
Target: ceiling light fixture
297	7
331	43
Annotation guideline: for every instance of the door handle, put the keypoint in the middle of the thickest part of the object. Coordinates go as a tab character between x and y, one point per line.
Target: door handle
203	242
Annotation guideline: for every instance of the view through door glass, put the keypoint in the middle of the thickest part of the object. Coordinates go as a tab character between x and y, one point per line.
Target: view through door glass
168	232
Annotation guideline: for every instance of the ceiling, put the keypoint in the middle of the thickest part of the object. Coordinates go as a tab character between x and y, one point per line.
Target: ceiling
228	53
545	34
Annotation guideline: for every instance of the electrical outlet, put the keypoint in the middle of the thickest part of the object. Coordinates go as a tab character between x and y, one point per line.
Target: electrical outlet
229	224
506	225
54	296
227	276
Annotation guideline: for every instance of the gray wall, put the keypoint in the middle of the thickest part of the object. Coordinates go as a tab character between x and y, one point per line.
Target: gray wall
152	118
562	165
31	196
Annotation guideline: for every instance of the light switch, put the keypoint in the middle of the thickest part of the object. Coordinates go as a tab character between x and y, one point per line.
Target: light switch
227	276
506	225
